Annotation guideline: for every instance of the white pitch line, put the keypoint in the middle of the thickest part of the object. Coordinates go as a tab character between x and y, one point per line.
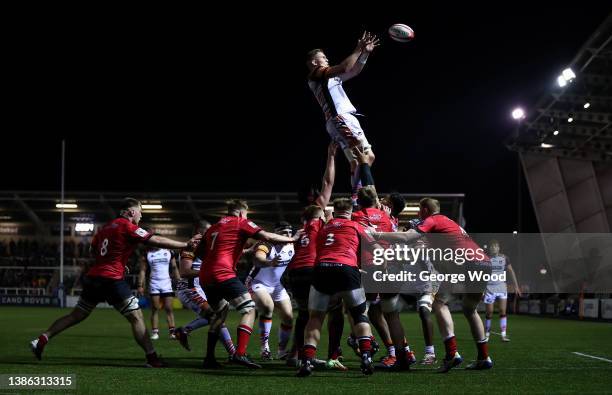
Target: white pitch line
495	333
591	356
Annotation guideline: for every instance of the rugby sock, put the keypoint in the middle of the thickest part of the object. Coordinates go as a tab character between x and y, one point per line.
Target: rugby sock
265	325
196	324
43	340
429	350
284	334
226	338
308	352
211	344
244	334
503	323
390	347
450	344
171	330
487	325
483	350
365	344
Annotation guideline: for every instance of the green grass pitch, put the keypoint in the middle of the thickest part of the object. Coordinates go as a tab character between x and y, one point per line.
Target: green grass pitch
106	360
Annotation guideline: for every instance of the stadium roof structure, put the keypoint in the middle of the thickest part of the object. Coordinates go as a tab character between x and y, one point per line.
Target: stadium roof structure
575	121
37	209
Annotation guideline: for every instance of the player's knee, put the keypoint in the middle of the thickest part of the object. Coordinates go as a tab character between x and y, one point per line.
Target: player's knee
83	309
469	310
246	307
371	156
128	306
358	313
390	305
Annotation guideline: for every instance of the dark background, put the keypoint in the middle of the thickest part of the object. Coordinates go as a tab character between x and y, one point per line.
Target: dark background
211	100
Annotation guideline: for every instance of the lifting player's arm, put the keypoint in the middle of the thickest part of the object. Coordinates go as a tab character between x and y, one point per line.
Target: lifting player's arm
369	43
164	242
276	238
408	237
329	177
142	274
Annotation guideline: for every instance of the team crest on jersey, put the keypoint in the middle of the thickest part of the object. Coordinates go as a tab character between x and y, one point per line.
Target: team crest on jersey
375	217
141	232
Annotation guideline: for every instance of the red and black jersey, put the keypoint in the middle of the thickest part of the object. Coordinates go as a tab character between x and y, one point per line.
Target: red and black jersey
339	241
455	236
113	245
222	247
306	247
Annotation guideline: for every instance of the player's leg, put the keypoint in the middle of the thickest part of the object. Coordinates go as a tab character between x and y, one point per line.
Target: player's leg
92	294
470	302
447	332
285	312
156	306
300	280
503	317
119	295
318	303
167	300
425	305
391	307
355	301
379	322
265	307
78	314
489	302
335	327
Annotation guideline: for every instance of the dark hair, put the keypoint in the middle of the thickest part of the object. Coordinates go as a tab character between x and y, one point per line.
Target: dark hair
282	225
311	212
366	197
308	194
343	204
201	225
236	205
128	203
398	202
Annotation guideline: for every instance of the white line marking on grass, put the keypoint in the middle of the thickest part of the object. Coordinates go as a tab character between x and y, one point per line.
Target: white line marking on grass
591	356
495	333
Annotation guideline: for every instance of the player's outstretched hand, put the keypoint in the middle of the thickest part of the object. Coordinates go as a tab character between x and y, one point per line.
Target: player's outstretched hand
298	235
371	43
194	241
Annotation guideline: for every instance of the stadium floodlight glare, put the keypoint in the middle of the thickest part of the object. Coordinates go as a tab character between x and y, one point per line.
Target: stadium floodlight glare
545	145
561	81
543	271
411	209
66	205
83	227
586	105
515	232
570	119
518	113
568	74
556	132
152	207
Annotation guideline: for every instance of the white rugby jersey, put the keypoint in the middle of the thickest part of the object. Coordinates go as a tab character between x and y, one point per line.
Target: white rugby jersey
329	93
270	275
498	267
159	262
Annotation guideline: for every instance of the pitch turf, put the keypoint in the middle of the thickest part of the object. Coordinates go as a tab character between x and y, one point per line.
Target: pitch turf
106	360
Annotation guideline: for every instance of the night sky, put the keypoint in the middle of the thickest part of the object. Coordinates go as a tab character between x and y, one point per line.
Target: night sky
219	102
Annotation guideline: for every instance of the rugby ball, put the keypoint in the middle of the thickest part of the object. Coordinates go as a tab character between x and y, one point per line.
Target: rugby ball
401	33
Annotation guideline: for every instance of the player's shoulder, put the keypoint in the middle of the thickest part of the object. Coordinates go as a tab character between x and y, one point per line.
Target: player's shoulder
263	247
